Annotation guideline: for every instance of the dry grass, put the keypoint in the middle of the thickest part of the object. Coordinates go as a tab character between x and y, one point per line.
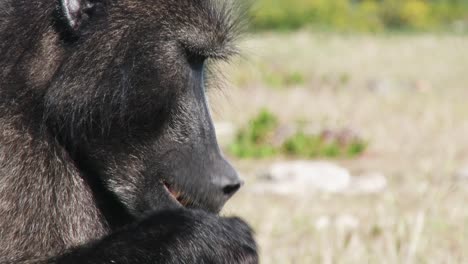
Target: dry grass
418	132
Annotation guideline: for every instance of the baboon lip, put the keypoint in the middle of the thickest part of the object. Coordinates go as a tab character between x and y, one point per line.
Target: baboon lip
176	194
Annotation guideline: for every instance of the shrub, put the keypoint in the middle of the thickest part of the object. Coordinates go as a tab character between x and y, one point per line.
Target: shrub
313	146
256	141
358	15
253	140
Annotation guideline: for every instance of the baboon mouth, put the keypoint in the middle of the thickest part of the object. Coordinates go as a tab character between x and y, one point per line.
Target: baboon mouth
177	195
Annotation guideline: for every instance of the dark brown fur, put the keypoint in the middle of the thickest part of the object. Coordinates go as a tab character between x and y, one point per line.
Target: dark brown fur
99	108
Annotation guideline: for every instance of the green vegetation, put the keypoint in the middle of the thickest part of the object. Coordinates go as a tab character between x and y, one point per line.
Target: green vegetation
359	15
257	141
253	140
313	146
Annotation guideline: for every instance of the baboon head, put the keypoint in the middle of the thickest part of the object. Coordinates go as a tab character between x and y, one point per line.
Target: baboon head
123	86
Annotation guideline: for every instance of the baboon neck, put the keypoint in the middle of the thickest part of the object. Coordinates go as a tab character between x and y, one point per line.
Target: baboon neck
45	205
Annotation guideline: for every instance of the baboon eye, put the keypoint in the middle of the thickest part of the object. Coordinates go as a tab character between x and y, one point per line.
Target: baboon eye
199	51
195	57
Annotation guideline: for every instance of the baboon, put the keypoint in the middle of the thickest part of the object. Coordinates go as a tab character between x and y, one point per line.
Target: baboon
107	148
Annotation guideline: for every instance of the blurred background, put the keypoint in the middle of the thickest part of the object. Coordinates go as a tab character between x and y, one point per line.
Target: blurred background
348	120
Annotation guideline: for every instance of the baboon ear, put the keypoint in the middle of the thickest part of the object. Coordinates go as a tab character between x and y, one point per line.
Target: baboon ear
77	12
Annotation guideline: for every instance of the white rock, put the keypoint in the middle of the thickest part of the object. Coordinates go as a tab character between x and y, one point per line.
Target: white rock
388	86
462	174
368	184
347	222
306	176
322	223
344	222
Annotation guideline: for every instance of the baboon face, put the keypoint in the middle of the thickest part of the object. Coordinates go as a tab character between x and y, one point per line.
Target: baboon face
127	98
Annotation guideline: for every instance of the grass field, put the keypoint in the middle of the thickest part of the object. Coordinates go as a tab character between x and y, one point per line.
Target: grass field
407	95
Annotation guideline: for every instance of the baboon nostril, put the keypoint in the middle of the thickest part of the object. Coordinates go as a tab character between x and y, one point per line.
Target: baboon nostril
231	189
